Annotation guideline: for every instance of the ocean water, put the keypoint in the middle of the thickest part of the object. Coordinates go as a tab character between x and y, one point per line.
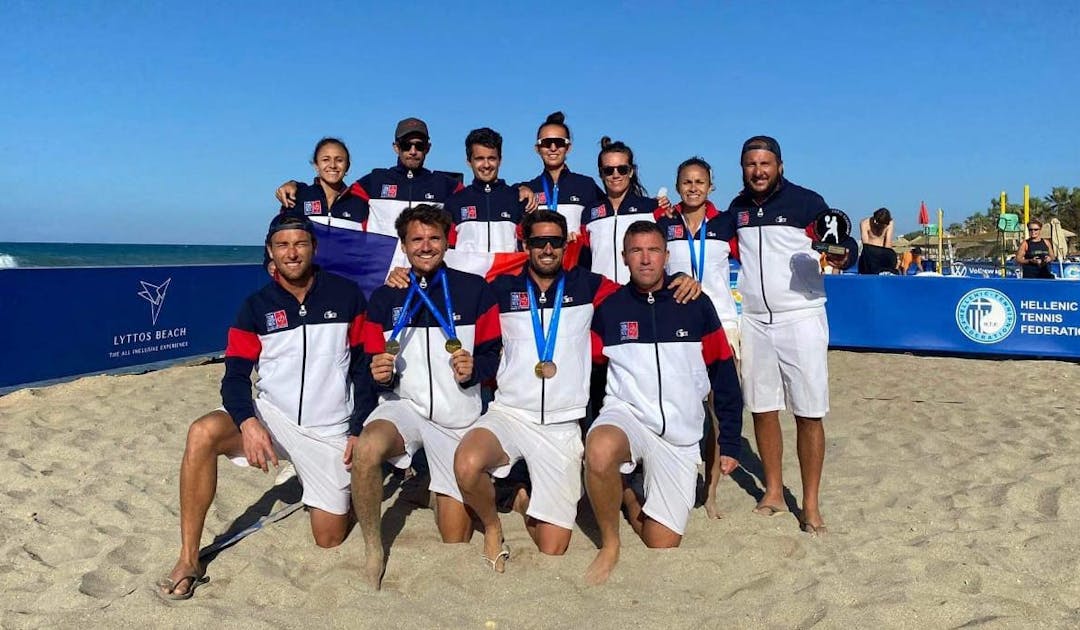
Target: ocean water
14	255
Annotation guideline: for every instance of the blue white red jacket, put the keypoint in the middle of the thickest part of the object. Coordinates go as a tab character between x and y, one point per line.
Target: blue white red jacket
349	212
564	397
663	358
781	274
391	190
423	374
721	244
485	217
576	192
602	230
308	355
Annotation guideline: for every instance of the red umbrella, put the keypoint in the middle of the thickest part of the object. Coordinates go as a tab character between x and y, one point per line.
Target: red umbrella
924	216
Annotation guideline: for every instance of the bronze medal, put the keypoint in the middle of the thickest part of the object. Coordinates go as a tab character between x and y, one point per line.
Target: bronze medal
393	346
545	369
453	345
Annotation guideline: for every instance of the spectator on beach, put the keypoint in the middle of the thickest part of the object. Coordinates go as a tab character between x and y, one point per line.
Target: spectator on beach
1035	253
651	417
785	333
877	254
304	313
911	258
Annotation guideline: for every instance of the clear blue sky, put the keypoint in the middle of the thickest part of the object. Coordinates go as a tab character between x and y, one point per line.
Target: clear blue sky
173	122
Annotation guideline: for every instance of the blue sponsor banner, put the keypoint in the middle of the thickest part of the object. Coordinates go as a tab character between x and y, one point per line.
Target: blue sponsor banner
61	322
995	316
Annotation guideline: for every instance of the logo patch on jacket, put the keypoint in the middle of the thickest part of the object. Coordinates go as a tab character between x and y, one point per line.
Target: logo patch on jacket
519	300
598	211
541	198
312	207
389	191
276	321
628	331
468	212
743	218
675	232
429	196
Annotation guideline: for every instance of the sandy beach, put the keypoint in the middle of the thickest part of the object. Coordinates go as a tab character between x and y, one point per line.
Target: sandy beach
950	491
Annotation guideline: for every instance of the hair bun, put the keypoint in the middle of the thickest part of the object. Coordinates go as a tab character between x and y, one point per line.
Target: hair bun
556	118
605	142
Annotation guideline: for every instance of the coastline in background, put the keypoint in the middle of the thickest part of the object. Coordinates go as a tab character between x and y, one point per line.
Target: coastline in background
13	255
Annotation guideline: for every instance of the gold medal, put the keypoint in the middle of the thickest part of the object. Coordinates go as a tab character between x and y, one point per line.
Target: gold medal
453	345
393	346
545	369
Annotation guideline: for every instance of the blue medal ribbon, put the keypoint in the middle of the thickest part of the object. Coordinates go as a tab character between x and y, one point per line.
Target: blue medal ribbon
408	310
445	322
550	200
545	345
697	259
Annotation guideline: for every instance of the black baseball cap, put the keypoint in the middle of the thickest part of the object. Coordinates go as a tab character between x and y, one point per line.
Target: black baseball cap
411	126
289	221
762	142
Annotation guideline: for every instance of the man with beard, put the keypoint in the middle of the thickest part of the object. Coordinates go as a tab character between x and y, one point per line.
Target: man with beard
785	334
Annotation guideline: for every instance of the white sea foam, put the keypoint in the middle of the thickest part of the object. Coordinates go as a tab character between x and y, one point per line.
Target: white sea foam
7	261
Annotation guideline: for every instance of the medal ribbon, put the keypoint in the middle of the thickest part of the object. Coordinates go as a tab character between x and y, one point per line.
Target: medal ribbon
545	345
445	322
551	198
408	309
697	261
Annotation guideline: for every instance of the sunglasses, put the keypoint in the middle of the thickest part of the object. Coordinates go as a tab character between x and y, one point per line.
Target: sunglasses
407	145
541	242
555	143
622	169
1033	229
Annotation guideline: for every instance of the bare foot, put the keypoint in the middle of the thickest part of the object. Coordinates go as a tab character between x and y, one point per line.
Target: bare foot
710	508
494	549
374	566
813	523
602	566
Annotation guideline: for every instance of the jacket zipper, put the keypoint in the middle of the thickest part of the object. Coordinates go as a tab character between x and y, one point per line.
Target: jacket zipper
487	208
543	381
615	244
656	351
761	269
409	175
430	380
303	364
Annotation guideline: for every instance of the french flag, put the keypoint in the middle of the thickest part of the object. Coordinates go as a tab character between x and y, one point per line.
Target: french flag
364	257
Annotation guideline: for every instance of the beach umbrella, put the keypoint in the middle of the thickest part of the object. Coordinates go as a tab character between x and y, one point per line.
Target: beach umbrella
1059	239
924	216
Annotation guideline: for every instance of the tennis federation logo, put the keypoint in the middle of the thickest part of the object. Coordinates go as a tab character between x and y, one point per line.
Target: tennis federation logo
155	295
985	315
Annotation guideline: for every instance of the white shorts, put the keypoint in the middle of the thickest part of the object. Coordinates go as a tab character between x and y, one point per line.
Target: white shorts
553	455
787	362
670	470
318	459
418	432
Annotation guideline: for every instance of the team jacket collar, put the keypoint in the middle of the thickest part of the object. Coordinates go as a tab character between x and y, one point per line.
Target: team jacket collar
663	293
400	169
710	210
525	277
565	171
479	185
317	275
629	198
779	186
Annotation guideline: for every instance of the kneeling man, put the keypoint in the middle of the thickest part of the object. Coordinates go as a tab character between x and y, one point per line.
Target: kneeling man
432	344
301	333
663	358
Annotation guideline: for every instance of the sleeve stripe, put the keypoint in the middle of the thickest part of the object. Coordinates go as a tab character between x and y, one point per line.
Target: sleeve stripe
356	331
714	347
358	190
607	287
243	344
597	347
372	338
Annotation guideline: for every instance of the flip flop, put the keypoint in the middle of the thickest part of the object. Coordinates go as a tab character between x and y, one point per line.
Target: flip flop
503	555
166	588
769	511
815	531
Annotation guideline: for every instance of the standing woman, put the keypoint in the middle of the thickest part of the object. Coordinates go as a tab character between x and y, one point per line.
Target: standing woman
557	188
1035	253
604	225
877	239
700	241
